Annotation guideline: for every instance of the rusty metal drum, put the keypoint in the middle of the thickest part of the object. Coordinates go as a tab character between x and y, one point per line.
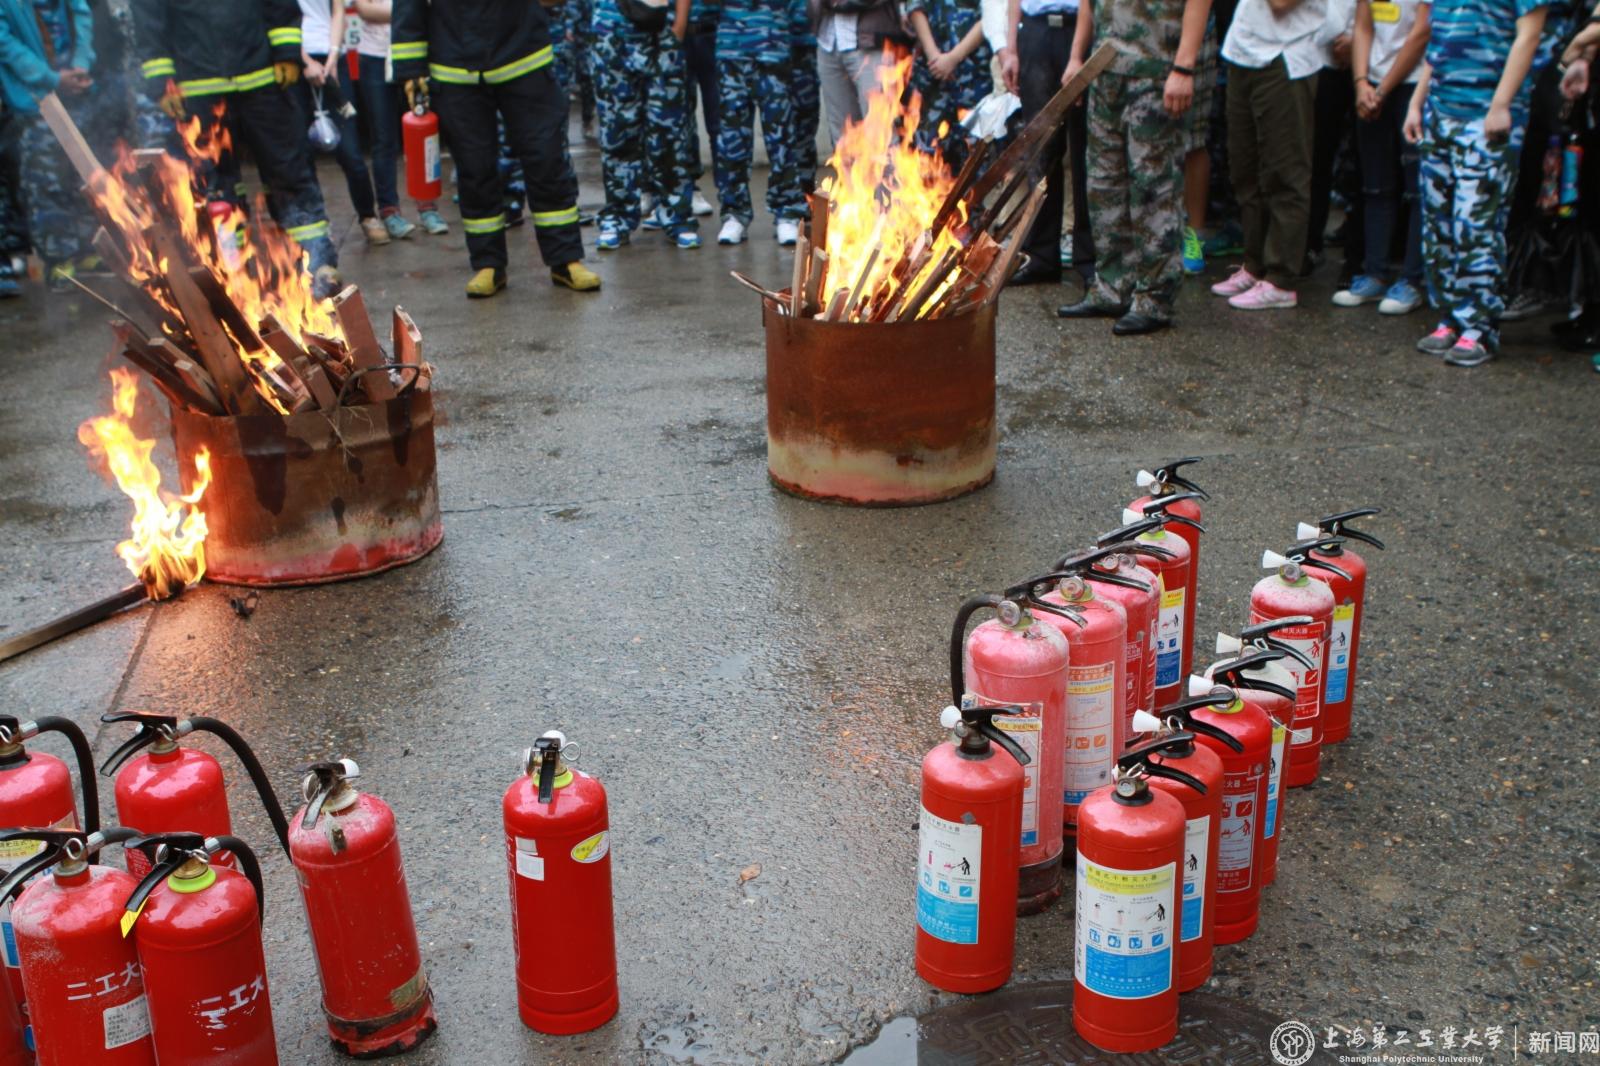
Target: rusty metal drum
881	413
316	496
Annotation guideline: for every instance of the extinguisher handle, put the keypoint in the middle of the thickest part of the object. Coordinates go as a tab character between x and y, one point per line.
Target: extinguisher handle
1235	672
1338	525
1060	610
51	723
57	843
253	767
149	731
980	720
1301	553
1130	532
179	849
1180	716
320	779
1260	635
1107	577
1167	474
20	875
958	641
1159	504
1171	773
1137	758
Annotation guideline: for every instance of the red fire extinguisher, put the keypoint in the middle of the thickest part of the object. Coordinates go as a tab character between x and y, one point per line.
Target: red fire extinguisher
1172	620
36	790
420	132
1264	684
197	928
1143	607
1012	659
1130	862
1202	812
344	847
1181	498
85	988
174	789
14	1046
559	855
1349	595
971	818
1287	593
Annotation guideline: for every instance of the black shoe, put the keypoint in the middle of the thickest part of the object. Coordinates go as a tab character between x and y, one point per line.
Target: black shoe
1037	274
1133	324
1089	307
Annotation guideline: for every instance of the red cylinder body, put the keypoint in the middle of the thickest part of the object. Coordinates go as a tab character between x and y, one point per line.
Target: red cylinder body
1273	597
14	1050
1197	901
1344	639
559	856
967	849
1027	666
1142	609
1244	801
1190	536
35	793
175	791
1096	688
1174	621
375	993
199	941
1130	858
421	135
85	989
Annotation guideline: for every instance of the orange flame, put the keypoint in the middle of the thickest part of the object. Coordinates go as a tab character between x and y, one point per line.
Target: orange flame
885	192
167	548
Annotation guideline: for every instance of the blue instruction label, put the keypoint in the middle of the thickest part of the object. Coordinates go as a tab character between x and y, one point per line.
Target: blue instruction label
1125	922
949	869
1169	638
1340	647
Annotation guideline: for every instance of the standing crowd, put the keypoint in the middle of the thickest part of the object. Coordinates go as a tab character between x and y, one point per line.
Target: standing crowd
1451	132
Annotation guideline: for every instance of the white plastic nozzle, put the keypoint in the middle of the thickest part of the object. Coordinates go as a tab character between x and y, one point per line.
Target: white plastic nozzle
1130	516
350	768
1200	686
1144	479
950	717
559	737
1271	560
1145	722
1307	531
1227	645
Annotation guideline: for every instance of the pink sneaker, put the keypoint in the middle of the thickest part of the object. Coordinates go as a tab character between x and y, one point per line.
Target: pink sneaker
1264	296
1239	281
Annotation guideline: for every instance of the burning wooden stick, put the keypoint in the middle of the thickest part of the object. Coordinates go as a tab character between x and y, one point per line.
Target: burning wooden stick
71	623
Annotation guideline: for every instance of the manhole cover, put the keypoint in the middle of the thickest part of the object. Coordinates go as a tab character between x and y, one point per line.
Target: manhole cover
1031	1025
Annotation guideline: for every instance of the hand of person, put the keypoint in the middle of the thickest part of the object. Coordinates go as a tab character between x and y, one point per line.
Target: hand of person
1073	66
1008	69
316	73
1575	82
416	90
680	27
1412	130
74	82
1179	93
285	72
171	102
944	66
1497	123
1341	50
1368	102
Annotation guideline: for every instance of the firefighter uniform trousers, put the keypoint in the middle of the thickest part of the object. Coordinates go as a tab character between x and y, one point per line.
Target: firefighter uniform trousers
533	107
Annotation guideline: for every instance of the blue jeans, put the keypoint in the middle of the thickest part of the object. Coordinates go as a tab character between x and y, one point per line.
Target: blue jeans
1388	174
379	100
348	154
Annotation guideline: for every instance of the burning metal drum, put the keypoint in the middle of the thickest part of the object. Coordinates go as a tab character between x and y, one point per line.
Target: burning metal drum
316	496
881	413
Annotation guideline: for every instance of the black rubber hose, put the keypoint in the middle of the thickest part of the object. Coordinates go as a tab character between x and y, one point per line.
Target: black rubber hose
249	865
252	766
52	723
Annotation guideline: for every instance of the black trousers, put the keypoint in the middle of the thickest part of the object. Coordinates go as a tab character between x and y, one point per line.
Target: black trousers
1044	46
700	49
534	109
1335	120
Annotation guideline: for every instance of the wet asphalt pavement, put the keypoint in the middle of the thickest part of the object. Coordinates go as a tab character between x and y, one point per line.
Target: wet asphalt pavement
755	678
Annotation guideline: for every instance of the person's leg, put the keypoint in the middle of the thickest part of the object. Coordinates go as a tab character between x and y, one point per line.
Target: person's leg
1037	81
619	93
807	113
701	55
1283	109
468	125
1083	257
1380	171
667	110
838	92
1197	129
1485	175
534	108
1110	188
380	98
736	137
1244	164
1333	96
866	68
1436	188
775	87
1156	147
274	130
60	222
335	94
1394	117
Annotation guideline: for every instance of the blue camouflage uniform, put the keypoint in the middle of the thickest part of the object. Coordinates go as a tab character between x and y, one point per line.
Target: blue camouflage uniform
1467	179
945	101
755	68
807	92
642	92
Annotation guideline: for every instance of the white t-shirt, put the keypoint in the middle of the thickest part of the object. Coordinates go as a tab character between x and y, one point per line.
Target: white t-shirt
1258	37
1339	19
374	39
837	33
316	22
1392	21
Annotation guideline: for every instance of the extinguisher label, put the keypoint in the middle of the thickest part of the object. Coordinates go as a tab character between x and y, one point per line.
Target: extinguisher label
1339	646
126	1022
1196	840
1091	711
1026	729
1123	947
1312	640
1134	656
1269	826
1237	840
430	157
529	862
950	866
1169	638
591	849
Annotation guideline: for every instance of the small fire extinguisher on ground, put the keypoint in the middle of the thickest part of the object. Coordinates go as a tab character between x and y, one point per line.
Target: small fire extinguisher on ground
1130	862
420	134
1142	606
176	789
1177	496
1349	595
1261	683
558	851
197	928
1175	568
345	849
967	849
85	987
1015	660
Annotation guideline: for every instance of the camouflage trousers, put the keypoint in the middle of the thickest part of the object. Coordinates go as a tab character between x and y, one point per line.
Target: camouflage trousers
1135	190
642	90
59	219
807	107
1466	185
742	86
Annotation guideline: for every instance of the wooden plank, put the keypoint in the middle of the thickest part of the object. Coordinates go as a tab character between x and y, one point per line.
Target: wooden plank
226	311
362	342
79	154
819	264
315	380
1000	272
820	204
836	305
802	260
136	350
964	180
405	341
192	373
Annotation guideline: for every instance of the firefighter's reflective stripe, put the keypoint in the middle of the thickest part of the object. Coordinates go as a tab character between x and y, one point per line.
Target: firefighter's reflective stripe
159	68
256	79
493	224
499	75
309	232
408	50
281	35
565	217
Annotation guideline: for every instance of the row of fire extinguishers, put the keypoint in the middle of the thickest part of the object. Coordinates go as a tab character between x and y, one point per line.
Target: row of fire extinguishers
163	963
1165	782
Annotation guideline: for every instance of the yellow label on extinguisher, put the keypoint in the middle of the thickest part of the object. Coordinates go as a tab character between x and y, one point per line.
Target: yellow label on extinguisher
591	850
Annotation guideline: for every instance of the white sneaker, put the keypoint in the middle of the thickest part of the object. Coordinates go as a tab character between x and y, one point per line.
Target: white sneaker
788	231
732	232
699	205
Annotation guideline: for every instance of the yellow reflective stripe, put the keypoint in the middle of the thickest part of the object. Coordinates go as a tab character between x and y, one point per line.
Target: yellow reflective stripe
409	50
158	68
206	86
452	75
526	65
308	232
284	35
254	80
565	217
484	225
